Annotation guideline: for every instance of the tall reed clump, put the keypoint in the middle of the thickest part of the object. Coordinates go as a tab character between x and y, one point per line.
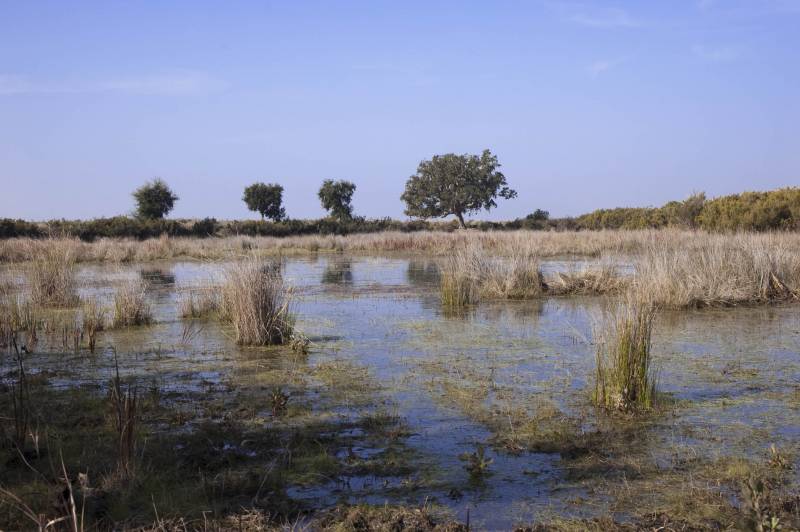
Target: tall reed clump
51	275
470	274
125	417
94	320
625	380
257	303
727	270
130	305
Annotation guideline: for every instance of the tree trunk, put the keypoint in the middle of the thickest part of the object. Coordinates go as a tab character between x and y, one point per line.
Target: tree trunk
461	220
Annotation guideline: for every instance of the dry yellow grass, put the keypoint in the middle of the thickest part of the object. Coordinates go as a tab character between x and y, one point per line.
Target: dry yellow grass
130	305
51	274
726	270
257	304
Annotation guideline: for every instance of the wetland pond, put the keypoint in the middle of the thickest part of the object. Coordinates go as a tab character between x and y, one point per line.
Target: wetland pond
396	397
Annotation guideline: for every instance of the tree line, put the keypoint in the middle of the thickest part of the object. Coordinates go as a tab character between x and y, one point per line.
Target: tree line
445	185
442	186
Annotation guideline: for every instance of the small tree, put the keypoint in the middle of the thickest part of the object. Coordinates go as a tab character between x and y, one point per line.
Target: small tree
265	199
337	197
154	199
455	184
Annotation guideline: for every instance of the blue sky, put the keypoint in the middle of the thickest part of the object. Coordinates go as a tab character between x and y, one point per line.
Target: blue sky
586	104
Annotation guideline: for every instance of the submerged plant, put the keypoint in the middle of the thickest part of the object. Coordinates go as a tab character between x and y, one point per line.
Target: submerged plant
477	463
279	401
624	376
257	304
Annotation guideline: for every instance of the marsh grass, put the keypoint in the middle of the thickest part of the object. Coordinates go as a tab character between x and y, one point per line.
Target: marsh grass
130	305
93	320
257	303
199	302
469	274
624	377
732	270
17	314
123	402
602	279
51	275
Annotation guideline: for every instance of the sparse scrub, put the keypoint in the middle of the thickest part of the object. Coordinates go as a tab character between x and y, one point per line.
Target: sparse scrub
52	275
256	302
130	305
624	378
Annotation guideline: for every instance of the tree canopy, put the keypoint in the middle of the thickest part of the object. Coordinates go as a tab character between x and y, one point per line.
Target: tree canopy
265	199
154	199
336	198
455	184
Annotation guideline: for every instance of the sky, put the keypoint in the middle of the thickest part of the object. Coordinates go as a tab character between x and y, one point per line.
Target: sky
586	104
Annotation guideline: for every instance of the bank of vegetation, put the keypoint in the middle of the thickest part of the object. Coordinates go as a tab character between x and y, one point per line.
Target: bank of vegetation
776	210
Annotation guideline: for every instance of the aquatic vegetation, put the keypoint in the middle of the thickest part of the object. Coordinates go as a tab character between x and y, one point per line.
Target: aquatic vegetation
199	302
734	270
51	275
256	302
477	463
130	305
470	274
604	279
93	320
278	402
123	402
624	378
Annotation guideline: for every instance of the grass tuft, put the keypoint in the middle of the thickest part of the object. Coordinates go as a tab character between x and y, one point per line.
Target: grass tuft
52	275
257	304
624	376
130	305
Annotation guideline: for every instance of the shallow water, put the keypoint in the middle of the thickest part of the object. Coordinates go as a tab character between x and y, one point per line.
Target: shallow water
734	375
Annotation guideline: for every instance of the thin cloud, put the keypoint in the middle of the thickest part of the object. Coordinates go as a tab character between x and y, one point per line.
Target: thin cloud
717	54
177	83
596	17
599	67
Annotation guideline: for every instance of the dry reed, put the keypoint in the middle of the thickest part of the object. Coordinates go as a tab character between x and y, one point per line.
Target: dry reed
130	305
199	302
257	304
728	270
51	275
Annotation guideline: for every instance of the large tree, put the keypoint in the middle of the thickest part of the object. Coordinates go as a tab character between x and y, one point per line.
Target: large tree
154	199
265	199
455	184
336	198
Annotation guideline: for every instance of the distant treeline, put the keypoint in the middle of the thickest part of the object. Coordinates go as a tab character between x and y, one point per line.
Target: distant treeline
754	211
748	211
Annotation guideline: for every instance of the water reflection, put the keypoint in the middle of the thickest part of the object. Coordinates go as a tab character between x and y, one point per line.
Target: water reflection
338	271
